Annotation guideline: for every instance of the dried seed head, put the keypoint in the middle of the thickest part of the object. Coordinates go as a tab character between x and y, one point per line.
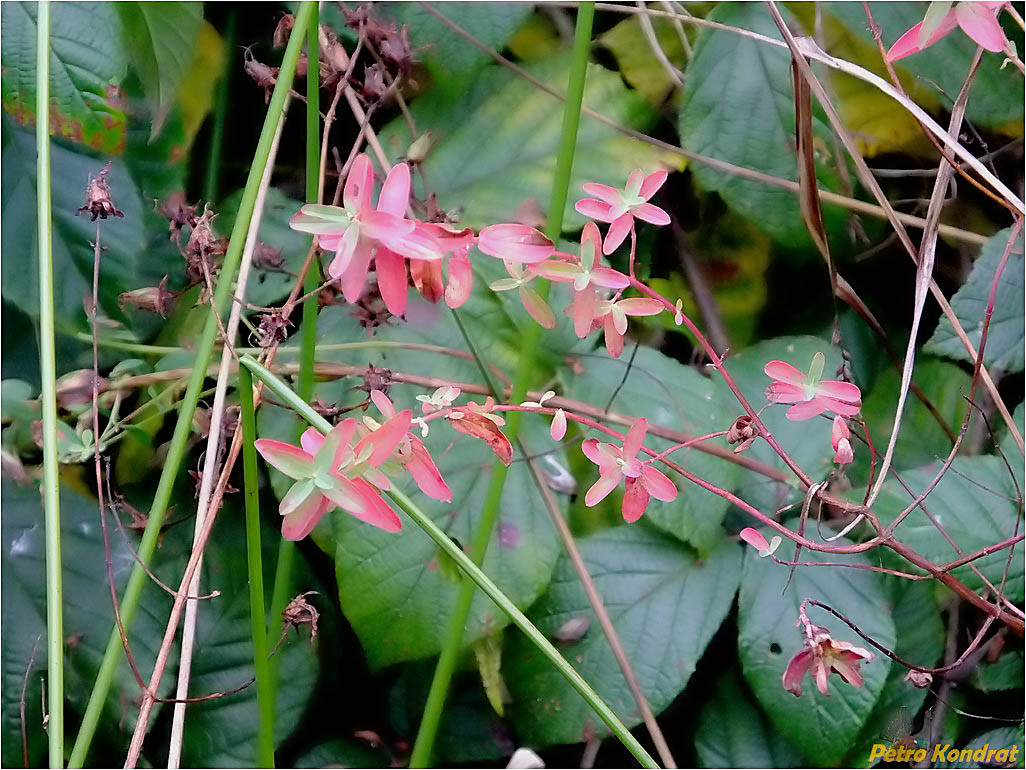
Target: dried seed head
373	87
177	211
263	75
743	432
155	299
98	197
919	679
396	51
283	30
266	257
299	612
272	329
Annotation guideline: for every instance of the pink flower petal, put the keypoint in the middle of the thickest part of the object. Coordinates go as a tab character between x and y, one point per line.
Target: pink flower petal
518	243
297	494
806	410
638	306
842	391
755	539
839	430
594	209
796	670
613	339
354	278
652	184
654	215
417	243
383	403
359	184
425	473
344	250
558	428
557	270
603	192
617	232
427	277
601	488
391	271
461	280
979	23
635	439
537	308
843	453
311	441
657	484
301	521
395	192
782	393
385	439
290	460
582	310
782	372
635	501
609	278
376	511
842	408
601	455
908	44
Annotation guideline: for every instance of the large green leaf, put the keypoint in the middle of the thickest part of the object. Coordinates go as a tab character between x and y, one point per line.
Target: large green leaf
1006	673
732	732
671	395
160	39
943	66
976	503
665	605
73	236
729	73
87	63
496	141
822	728
1005	338
921	641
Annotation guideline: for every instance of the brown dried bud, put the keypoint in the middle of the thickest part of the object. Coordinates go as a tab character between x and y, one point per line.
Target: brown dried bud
76	388
365	21
263	75
178	213
98	201
376	379
284	30
267	257
744	431
396	51
373	87
919	679
155	299
273	328
420	148
202	245
299	612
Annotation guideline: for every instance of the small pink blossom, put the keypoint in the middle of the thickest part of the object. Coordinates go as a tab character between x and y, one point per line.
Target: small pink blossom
558	427
621	463
823	656
532	301
621	207
322	483
755	539
810	394
977	20
584	271
515	243
840	437
590	312
360	232
442	398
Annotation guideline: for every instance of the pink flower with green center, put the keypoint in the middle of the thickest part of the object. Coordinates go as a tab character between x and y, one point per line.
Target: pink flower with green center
532	301
322	484
823	656
585	271
810	394
617	464
621	207
840	437
589	312
977	20
360	232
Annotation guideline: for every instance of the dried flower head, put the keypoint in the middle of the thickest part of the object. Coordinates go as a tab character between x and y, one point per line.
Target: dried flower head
98	197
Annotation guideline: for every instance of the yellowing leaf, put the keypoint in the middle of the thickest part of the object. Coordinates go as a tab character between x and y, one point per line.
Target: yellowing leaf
196	94
638	62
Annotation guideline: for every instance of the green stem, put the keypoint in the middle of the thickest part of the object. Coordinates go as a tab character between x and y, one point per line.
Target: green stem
183	428
213	175
471	570
452	645
308	342
254	555
48	374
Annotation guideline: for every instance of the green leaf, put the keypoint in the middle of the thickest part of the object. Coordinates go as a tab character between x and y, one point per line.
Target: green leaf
672	395
343	752
87	63
73	236
1005	338
730	73
1006	673
496	141
733	733
160	39
976	503
941	69
921	641
1002	738
665	605
639	64
823	728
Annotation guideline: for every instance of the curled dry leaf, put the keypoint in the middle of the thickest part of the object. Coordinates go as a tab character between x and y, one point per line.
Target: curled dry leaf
479	426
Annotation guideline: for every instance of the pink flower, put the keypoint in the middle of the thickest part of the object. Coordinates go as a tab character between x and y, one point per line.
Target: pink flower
590	312
320	484
532	301
515	243
977	20
586	271
755	539
840	435
558	427
620	207
616	464
457	243
360	232
810	394
822	656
